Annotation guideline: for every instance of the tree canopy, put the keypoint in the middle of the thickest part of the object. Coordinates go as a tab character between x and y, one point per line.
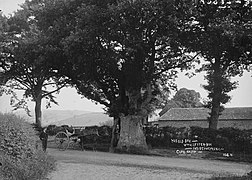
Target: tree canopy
184	98
221	32
119	53
123	53
115	50
26	61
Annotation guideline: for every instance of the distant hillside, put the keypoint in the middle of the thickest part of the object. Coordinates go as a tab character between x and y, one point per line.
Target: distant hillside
87	119
52	116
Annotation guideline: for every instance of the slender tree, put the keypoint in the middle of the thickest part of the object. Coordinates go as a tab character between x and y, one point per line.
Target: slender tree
26	65
221	32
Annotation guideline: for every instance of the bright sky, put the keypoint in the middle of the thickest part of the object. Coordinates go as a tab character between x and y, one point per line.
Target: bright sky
68	98
8	6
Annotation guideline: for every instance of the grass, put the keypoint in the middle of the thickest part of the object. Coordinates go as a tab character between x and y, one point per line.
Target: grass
245	177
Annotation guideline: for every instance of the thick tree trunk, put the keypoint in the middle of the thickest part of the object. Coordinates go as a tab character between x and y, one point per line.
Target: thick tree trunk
132	138
113	138
38	112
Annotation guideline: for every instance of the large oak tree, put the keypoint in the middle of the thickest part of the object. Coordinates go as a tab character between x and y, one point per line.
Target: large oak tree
119	54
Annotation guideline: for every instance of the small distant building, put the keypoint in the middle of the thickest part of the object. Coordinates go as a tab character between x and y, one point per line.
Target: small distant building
240	117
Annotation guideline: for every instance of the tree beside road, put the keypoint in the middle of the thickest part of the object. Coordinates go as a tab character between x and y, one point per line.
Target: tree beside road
122	54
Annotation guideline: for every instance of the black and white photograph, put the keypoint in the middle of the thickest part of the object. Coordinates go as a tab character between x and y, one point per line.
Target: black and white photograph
125	89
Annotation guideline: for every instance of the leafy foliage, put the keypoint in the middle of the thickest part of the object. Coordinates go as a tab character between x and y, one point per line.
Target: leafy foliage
184	98
120	52
221	32
26	61
123	53
187	98
223	83
19	157
17	137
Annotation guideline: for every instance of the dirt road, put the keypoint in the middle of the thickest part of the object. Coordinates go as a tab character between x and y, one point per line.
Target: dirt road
88	165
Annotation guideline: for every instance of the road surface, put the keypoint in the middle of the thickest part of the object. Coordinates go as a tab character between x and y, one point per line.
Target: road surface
88	165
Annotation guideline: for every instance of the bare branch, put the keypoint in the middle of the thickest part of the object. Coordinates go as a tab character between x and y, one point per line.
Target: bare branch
175	66
51	92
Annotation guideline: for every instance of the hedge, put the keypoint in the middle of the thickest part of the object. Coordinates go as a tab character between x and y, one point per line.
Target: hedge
231	139
19	158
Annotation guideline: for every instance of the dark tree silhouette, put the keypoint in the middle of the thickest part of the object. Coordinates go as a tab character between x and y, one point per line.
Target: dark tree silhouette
26	63
184	98
221	32
119	54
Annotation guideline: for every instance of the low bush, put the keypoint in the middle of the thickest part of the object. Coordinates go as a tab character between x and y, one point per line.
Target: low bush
231	139
36	167
237	140
19	158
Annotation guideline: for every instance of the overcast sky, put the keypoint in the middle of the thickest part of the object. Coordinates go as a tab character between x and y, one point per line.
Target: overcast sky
8	6
69	99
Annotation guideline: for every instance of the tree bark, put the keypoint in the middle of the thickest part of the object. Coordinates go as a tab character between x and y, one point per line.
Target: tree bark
113	138
132	138
216	101
38	102
214	118
38	112
215	110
